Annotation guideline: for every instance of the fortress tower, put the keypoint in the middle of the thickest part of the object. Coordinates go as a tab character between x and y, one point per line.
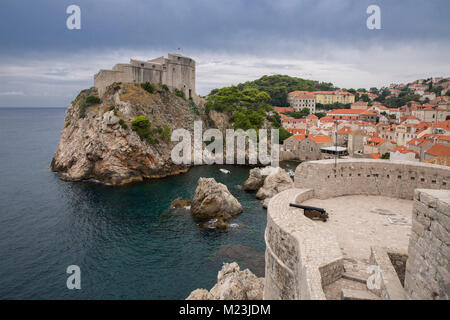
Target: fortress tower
176	71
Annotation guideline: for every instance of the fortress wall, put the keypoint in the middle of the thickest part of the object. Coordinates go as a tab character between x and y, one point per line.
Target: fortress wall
177	72
106	77
301	256
427	268
396	179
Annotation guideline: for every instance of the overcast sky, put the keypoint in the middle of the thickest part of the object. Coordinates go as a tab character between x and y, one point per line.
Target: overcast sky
42	63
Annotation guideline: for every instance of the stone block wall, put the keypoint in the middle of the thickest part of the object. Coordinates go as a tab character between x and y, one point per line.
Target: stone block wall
301	256
396	179
428	266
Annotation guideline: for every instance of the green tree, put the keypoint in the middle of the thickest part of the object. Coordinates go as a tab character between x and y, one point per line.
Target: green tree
142	127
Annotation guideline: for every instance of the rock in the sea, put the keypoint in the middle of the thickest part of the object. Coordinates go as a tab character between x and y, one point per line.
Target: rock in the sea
232	284
180	203
276	182
254	181
256	178
213	200
221	224
200	294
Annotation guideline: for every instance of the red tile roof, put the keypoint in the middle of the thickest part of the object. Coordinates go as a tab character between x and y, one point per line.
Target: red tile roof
439	150
320	139
375	155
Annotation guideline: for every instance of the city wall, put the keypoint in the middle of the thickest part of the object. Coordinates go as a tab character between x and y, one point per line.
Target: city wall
302	257
427	269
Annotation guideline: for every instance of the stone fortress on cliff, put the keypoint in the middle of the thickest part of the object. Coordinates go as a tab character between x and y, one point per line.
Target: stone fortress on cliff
176	71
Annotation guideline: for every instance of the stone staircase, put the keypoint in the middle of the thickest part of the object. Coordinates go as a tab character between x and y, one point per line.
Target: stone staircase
352	285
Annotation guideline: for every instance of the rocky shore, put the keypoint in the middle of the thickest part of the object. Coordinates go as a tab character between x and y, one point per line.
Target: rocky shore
232	284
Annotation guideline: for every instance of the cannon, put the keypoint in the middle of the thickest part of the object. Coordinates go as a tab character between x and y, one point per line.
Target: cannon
313	213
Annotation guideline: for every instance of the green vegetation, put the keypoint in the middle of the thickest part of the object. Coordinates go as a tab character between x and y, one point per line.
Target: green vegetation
278	87
165	87
180	94
92	100
386	156
142	127
446	118
193	106
320	114
123	124
298	114
284	134
166	133
87	102
149	87
248	107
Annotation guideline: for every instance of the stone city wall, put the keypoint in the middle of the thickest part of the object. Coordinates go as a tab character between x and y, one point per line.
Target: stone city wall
301	257
427	269
396	179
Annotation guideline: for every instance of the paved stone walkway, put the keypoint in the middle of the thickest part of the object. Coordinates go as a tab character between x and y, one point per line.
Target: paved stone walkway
360	222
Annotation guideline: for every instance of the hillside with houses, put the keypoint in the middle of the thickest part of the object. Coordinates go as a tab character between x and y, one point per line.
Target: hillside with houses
400	122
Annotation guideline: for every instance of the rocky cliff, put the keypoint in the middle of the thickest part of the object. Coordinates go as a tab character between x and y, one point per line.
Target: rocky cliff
100	141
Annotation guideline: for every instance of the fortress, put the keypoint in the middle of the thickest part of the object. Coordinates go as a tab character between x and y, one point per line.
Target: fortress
391	216
176	71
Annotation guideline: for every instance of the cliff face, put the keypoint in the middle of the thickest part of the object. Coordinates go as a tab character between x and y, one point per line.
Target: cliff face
98	142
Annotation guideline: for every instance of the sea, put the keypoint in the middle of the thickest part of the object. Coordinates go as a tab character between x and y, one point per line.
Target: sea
125	241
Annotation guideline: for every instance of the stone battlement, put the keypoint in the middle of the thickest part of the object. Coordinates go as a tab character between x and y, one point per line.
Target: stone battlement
176	71
302	256
396	179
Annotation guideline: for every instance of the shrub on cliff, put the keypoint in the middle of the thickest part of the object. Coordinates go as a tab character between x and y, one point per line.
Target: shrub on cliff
180	94
123	124
91	100
142	127
149	87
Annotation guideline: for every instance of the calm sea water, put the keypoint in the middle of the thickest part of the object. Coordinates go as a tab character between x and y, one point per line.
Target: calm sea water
126	242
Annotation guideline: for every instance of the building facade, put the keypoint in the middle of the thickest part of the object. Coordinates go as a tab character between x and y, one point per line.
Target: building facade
302	99
176	72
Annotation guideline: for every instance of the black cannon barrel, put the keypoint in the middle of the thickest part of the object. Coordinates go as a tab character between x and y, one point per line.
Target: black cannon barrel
321	210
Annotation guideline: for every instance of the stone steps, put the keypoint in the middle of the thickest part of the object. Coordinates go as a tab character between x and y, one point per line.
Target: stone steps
354	276
352	294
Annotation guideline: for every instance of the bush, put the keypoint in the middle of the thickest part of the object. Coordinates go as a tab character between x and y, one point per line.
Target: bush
123	124
142	127
194	107
149	87
165	87
91	100
166	132
180	94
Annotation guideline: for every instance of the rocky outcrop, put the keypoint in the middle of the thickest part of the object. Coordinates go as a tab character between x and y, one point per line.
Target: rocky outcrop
256	178
276	182
180	203
97	141
254	181
232	284
213	200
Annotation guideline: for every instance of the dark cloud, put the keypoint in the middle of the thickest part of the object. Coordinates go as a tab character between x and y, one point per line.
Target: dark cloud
232	41
231	25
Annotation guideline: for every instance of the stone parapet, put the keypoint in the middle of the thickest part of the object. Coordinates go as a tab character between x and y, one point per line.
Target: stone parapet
301	256
396	179
427	268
